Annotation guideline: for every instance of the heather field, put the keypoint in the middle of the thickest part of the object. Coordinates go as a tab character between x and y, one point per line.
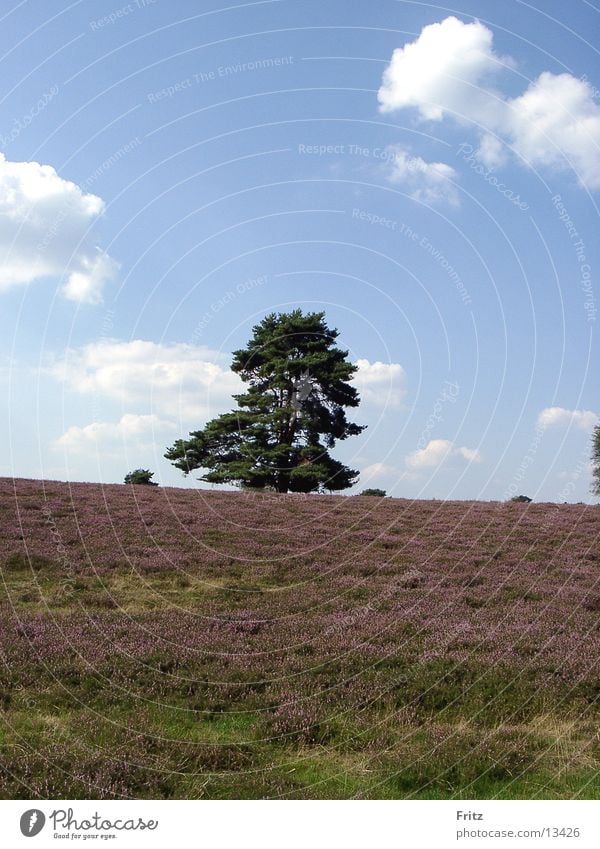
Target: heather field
169	643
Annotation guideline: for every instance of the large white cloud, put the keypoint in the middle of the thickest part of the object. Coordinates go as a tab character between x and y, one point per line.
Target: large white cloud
437	451
131	432
556	122
440	72
44	232
430	182
560	417
380	383
448	70
186	383
180	380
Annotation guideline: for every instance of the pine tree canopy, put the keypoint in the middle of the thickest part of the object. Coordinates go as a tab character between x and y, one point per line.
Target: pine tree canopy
291	414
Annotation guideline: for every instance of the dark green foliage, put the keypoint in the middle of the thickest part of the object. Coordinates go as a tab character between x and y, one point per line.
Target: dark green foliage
379	493
292	412
521	499
140	476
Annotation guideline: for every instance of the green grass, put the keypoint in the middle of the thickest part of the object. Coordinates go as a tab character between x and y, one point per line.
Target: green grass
390	720
134	749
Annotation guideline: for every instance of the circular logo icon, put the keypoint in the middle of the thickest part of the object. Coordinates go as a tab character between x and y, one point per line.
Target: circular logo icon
32	822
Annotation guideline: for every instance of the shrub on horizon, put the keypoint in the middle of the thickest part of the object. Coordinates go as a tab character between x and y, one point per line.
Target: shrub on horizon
140	476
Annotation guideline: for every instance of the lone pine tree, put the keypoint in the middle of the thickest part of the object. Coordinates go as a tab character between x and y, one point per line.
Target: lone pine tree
291	413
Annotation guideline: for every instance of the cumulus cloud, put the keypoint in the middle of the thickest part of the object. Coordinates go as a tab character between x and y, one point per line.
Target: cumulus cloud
437	451
108	437
448	71
187	381
557	123
430	182
380	383
441	71
472	455
559	417
176	379
378	472
492	151
86	285
44	232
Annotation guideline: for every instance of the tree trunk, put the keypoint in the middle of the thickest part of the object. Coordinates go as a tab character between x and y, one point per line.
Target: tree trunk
283	483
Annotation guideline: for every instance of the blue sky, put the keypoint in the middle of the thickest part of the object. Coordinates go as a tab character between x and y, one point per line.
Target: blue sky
171	172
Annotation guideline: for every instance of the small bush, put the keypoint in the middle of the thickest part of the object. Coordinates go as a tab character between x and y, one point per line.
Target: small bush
379	493
521	499
141	476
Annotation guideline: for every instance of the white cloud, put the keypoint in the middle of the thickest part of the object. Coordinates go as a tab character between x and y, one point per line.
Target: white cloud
492	152
434	453
103	437
556	123
187	381
447	71
430	182
44	224
440	71
376	471
87	284
559	417
472	455
438	451
380	383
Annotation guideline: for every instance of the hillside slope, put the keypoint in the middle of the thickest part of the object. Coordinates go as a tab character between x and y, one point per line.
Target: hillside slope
172	643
